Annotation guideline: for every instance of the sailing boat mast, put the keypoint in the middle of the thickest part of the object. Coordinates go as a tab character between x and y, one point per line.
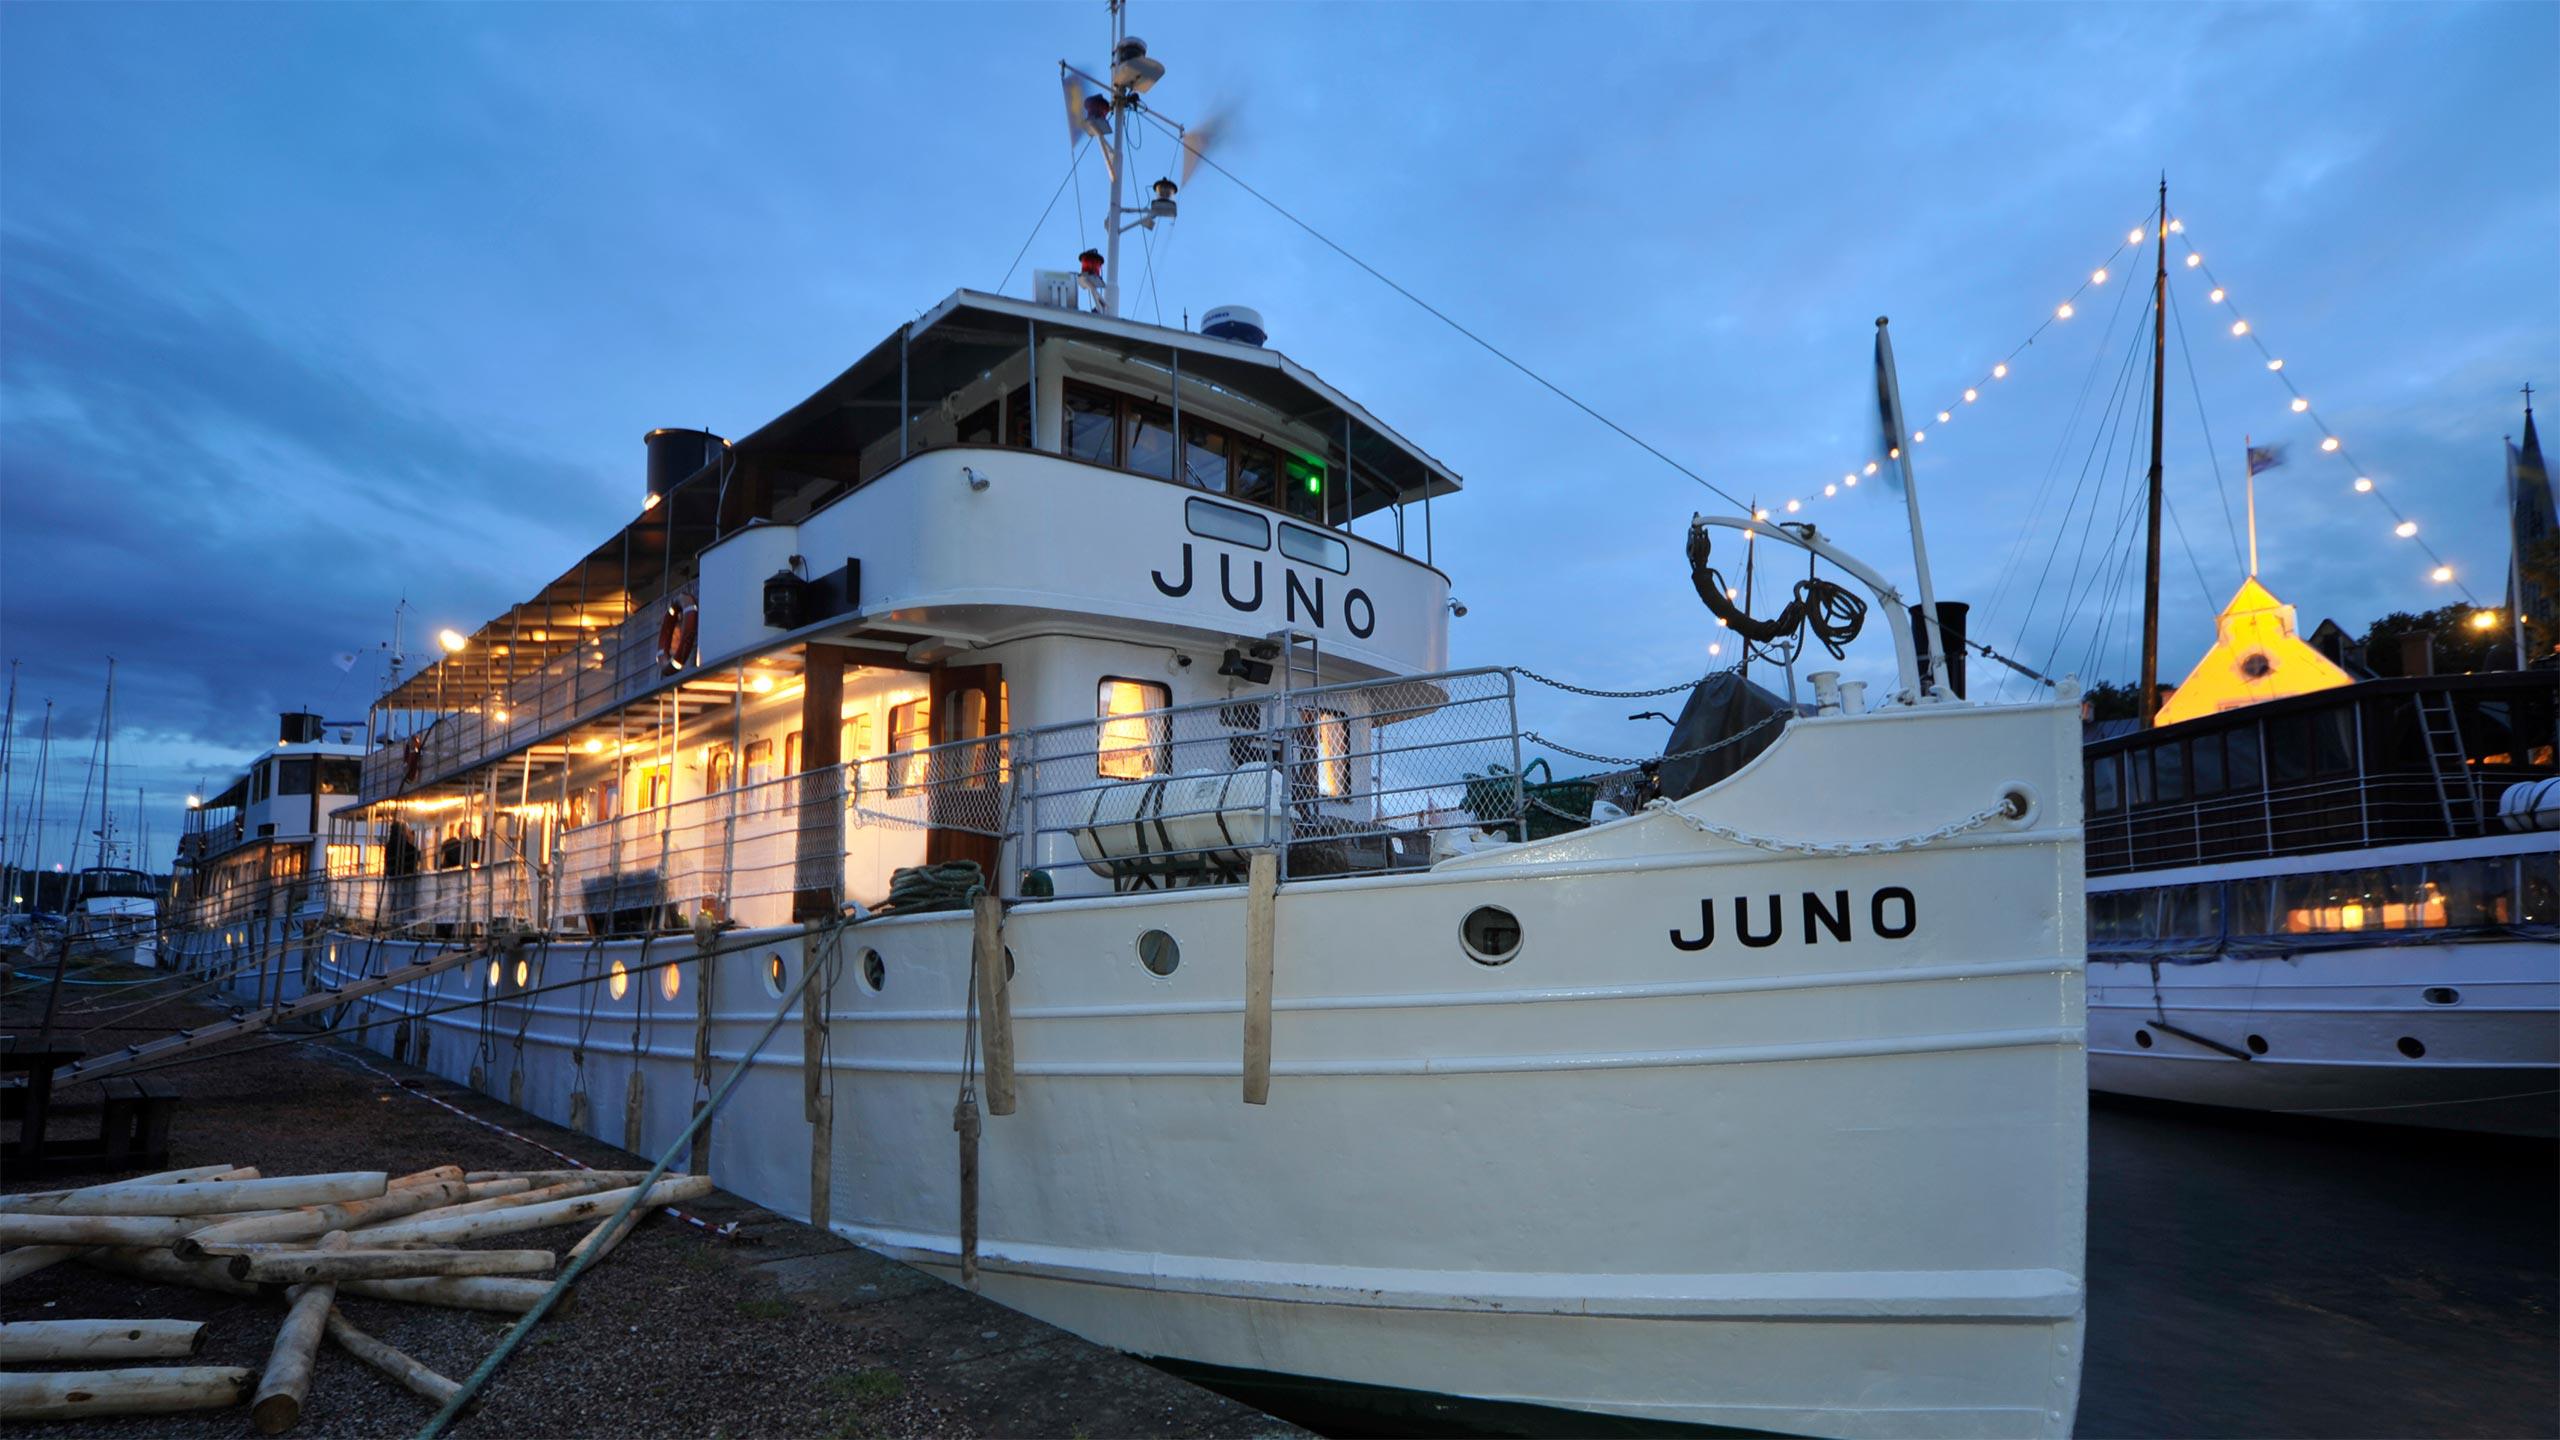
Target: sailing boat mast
2151	534
106	767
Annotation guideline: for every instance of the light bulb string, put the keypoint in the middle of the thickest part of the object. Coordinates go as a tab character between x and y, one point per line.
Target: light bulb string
2245	330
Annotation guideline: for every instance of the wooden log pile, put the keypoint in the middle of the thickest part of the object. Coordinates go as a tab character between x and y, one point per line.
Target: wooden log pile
305	1241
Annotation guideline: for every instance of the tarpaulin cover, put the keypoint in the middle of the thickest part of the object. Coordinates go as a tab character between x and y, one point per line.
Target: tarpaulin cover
1724	704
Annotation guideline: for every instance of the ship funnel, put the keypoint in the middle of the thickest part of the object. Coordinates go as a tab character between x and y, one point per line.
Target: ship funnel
297	727
674	456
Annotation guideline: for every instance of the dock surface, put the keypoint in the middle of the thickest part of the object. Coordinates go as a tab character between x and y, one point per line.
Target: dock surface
773	1329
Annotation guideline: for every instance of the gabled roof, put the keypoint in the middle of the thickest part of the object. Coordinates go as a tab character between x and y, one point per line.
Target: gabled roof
2256	656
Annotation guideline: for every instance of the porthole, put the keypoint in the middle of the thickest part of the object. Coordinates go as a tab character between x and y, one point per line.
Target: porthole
1159	952
2142	1038
1490	934
493	974
2410	1046
776	972
2442	995
875	971
2257	1044
524	973
1008	964
671	981
618	981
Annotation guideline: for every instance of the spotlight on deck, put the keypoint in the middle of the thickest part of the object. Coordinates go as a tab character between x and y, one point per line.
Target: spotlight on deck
452	641
1238	665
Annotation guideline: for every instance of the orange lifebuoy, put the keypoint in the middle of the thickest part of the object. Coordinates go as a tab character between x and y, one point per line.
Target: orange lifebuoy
676	634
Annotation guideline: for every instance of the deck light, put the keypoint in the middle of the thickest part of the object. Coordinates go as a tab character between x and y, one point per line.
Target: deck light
2098	276
2194	260
2406	529
195	802
2441	574
2275	364
1971	395
2133	236
2300	404
2364	486
2063	311
593	747
2000	371
650	500
2239	327
451	640
2216	296
2329	443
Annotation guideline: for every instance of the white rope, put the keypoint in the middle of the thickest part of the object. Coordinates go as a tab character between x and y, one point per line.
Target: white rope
2009	805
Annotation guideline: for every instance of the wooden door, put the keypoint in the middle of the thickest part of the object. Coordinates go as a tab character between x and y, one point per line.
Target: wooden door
965	794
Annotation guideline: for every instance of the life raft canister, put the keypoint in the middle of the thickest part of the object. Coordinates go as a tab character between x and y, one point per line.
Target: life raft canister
676	634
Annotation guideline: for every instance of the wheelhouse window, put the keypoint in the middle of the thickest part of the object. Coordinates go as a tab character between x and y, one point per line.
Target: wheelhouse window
1132	745
293	777
2105	794
1092	429
1204	456
341	776
1148	441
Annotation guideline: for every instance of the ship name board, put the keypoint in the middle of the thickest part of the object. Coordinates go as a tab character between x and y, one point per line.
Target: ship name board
1891	913
1298	595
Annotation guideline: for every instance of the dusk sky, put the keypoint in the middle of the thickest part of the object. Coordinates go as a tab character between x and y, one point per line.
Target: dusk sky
306	309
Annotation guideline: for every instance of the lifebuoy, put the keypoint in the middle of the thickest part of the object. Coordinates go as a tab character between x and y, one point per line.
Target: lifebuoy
676	634
412	756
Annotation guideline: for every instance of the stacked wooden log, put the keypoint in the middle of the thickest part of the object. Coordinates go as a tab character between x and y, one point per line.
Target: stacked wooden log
306	1240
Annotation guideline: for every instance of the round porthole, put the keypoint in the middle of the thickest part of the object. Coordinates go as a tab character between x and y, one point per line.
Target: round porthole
2142	1038
2442	995
617	982
1490	934
776	972
875	971
1159	952
2257	1044
524	973
493	974
670	981
2410	1046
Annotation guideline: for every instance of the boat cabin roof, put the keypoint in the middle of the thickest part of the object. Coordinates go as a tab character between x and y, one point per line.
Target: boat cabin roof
821	448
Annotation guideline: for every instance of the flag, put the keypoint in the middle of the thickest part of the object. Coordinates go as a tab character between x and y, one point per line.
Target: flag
345	660
2265	457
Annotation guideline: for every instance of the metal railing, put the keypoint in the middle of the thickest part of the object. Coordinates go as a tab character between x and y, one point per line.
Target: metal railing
1368	777
2389	807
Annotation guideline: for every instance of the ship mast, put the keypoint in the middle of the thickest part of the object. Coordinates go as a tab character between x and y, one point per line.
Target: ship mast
1120	123
2151	535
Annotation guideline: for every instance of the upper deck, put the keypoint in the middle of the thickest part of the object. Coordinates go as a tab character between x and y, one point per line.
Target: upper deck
994	468
2384	762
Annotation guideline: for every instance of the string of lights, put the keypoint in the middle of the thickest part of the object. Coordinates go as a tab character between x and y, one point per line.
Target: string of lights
2331	443
1970	394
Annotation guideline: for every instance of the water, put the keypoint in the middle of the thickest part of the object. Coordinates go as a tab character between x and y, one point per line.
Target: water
2267	1276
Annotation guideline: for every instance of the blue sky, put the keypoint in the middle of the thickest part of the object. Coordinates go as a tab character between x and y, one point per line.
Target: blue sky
307	308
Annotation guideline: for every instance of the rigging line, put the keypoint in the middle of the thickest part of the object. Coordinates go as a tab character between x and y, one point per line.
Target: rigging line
1443	317
1063	185
1146	241
2111	482
2285	378
2100	440
2014	566
2212	451
2113	565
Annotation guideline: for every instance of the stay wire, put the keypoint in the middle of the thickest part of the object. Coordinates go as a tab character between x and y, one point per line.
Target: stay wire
1444	318
2204	426
1063	185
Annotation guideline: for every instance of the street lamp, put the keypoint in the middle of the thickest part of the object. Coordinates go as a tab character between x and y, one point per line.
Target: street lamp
452	641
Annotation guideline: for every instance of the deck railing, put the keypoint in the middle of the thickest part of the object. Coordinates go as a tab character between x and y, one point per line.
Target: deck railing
2346	812
1368	777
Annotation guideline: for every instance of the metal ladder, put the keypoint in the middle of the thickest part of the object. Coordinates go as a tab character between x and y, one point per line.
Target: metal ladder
2442	730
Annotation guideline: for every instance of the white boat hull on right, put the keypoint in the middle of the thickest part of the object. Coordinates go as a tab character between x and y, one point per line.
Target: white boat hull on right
2456	1036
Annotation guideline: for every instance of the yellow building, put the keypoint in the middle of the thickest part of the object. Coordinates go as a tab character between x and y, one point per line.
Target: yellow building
2257	655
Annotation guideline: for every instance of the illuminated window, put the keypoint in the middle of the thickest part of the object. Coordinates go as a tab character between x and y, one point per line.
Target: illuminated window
791	753
1324	742
1131	746
910	730
670	982
619	982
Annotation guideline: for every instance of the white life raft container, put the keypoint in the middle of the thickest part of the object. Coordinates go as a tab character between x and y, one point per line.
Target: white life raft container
1204	819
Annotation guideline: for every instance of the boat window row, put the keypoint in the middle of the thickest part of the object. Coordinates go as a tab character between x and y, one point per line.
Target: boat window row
1211	520
1105	427
2471	894
298	774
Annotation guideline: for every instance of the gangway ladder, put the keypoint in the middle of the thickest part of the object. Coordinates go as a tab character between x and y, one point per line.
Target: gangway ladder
2442	729
99	1067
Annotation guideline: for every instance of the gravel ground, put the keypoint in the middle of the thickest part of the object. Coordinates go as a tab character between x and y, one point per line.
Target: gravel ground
779	1330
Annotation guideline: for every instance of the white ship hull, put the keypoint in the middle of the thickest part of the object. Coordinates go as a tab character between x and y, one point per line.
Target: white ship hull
2336	1029
1797	1184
